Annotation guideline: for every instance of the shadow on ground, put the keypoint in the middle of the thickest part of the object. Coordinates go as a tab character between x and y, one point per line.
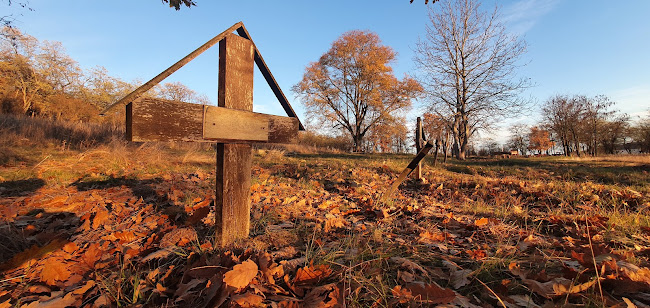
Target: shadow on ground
20	188
33	235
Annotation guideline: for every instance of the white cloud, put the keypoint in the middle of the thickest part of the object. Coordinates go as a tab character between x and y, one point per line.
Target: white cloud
634	101
522	15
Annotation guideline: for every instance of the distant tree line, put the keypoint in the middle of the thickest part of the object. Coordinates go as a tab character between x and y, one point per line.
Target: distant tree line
582	125
38	78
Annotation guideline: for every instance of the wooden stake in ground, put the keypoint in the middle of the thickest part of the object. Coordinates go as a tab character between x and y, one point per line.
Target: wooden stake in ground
419	141
407	171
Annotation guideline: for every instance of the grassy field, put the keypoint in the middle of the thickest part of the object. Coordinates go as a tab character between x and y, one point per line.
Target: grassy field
116	224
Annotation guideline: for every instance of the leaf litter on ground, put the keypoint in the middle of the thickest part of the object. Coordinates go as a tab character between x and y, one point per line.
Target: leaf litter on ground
320	238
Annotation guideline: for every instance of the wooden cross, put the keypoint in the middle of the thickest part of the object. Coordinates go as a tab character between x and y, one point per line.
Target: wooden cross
232	125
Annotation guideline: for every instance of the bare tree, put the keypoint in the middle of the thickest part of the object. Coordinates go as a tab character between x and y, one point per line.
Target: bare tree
468	62
583	122
8	20
437	129
177	91
563	117
352	86
614	131
641	133
518	139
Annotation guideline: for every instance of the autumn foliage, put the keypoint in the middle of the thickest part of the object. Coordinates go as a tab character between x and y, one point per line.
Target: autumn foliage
539	140
352	88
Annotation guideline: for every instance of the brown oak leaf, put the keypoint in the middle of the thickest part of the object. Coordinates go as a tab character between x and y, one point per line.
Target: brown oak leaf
248	299
53	271
312	274
241	275
431	293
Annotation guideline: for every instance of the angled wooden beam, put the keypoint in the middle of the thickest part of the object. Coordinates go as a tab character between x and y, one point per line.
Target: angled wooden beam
269	77
156	80
407	171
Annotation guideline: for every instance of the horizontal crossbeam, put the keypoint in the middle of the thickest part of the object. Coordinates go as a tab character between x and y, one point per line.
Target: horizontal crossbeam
163	120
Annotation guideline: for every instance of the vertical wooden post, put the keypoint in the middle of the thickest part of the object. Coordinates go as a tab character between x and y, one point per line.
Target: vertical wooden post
233	177
418	147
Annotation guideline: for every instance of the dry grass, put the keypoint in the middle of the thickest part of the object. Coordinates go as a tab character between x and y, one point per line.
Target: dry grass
25	131
638	158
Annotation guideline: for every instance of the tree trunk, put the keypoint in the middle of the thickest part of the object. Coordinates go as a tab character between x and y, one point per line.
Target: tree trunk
435	155
357	144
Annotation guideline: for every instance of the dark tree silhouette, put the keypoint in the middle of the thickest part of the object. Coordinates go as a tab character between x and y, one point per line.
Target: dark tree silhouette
177	4
427	1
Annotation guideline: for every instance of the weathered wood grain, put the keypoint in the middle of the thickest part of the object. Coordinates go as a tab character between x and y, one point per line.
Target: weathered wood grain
235	125
283	129
232	197
163	120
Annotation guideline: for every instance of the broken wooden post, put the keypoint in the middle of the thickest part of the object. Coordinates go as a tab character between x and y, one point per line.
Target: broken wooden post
232	125
407	171
419	141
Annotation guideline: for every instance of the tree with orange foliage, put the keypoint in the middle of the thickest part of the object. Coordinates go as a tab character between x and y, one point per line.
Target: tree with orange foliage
352	86
388	136
539	140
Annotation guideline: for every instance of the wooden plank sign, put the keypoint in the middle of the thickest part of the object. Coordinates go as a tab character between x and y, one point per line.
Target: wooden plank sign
232	125
151	119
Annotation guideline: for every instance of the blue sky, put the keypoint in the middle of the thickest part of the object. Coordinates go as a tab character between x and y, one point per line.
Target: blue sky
575	47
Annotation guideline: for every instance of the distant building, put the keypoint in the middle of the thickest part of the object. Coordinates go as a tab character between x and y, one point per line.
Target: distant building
514	152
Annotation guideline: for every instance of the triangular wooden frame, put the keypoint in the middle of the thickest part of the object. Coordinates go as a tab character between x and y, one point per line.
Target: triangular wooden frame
259	61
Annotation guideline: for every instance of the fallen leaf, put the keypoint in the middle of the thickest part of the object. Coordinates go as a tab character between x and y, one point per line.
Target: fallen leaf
563	288
635	273
629	303
431	293
482	222
158	254
92	255
312	274
408	264
557	286
102	300
126	236
248	299
100	218
81	291
35	252
241	275
54	302
70	247
183	289
177	236
459	278
402	294
53	271
39	289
